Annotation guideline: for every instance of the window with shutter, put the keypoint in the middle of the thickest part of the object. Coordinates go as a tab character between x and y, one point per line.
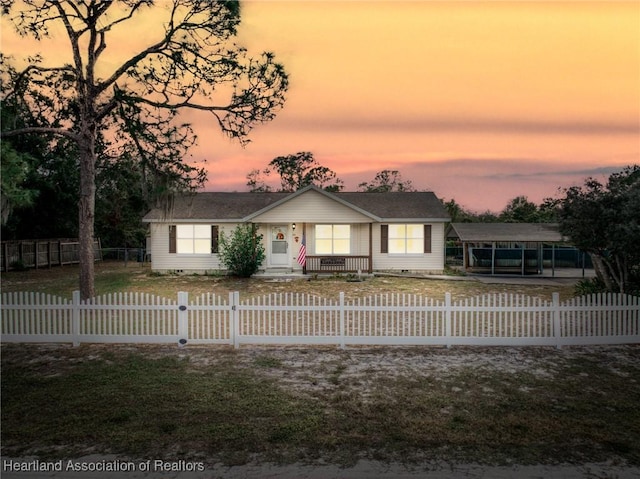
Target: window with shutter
410	239
193	239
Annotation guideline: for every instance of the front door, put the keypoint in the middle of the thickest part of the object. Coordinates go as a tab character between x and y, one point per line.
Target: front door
280	245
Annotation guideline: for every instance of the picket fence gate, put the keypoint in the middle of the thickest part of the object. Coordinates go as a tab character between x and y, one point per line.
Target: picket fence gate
292	318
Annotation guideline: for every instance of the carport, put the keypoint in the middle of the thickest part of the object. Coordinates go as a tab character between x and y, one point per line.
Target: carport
506	248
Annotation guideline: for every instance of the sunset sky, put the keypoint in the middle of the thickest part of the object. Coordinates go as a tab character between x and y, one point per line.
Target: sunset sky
476	101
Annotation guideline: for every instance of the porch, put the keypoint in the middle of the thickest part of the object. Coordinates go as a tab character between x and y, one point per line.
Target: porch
339	264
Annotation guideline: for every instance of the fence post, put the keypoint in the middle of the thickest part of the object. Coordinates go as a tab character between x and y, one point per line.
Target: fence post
183	317
342	342
557	334
447	319
75	318
234	299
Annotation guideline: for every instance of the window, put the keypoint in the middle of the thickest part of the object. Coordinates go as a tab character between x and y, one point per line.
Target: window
333	239
193	239
406	239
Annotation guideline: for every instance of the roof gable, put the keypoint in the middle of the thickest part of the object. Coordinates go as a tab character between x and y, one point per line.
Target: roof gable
312	204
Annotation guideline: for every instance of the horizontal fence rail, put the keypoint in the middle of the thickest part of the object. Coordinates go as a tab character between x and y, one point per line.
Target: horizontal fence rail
293	318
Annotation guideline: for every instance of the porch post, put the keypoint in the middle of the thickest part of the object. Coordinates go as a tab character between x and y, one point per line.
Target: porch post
465	256
370	248
493	258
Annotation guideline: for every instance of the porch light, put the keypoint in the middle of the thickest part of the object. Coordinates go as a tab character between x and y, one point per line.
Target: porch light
293	226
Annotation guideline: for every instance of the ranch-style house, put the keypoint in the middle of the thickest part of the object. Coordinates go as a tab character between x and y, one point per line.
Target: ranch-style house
340	232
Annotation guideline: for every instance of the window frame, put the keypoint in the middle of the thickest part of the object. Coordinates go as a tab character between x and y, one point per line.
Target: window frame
332	239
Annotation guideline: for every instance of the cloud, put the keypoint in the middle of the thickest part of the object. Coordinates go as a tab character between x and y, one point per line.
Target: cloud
357	123
513	167
585	172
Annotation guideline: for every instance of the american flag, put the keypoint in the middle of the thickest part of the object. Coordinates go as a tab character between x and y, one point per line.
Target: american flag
302	254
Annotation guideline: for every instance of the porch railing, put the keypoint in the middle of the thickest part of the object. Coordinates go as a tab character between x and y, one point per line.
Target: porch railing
338	264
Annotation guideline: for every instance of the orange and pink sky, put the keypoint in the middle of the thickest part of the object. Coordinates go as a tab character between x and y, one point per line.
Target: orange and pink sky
477	101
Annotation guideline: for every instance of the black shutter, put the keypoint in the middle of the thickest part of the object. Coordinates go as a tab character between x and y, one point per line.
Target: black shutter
214	238
384	238
427	238
172	238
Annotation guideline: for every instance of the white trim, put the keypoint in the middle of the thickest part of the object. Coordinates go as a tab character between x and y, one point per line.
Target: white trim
303	191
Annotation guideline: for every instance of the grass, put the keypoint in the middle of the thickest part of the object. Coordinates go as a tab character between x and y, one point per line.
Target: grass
113	277
291	405
130	404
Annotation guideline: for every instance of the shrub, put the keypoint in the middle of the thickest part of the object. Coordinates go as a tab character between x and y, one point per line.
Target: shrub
242	252
585	287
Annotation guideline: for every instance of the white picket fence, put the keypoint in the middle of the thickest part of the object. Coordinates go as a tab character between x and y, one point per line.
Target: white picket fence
289	318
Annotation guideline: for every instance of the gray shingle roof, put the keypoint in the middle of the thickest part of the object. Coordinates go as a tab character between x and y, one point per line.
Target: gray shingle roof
238	206
487	232
217	206
398	205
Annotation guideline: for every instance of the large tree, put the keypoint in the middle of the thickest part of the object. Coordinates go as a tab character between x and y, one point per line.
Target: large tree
604	220
295	171
193	64
385	181
520	210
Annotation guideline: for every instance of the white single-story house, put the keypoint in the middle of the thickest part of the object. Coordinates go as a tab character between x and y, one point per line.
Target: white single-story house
342	232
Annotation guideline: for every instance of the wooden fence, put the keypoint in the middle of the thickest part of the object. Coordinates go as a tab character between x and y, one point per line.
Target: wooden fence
288	318
42	253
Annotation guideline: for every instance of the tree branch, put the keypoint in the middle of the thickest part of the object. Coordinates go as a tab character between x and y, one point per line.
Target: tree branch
41	129
20	77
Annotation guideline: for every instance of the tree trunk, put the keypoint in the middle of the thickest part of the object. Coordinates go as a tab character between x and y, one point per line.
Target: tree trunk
87	212
602	271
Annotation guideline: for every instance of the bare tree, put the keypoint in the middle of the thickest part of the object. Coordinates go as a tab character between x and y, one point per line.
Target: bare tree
193	65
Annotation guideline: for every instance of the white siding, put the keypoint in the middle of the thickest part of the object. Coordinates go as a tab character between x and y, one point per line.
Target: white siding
312	207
